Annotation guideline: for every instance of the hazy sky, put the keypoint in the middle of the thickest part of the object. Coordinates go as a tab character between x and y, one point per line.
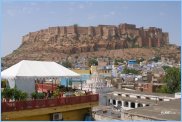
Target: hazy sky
20	18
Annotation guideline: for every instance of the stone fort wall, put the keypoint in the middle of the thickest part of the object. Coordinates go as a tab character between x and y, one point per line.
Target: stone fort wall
126	33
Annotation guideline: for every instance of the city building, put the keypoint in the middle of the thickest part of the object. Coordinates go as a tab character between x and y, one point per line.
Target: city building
98	84
134	105
130	99
163	111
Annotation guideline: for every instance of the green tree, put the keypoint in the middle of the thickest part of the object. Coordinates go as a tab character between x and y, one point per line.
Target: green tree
92	62
140	60
115	62
173	80
67	64
165	68
133	71
162	89
155	59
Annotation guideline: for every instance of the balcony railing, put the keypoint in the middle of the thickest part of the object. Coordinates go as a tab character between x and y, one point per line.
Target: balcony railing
44	103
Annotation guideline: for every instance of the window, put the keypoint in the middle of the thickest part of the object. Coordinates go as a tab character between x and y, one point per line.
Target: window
114	102
132	105
127	95
138	97
148	98
140	105
119	103
160	99
126	104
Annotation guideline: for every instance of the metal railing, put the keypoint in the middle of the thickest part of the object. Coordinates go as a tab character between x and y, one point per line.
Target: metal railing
44	103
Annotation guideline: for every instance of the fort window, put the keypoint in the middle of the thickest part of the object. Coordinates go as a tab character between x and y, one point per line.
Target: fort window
119	94
140	105
148	98
126	104
132	105
109	101
119	103
114	102
138	97
127	95
147	105
160	99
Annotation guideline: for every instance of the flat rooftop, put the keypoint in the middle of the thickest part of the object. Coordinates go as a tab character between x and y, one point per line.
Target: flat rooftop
170	110
143	93
107	111
144	101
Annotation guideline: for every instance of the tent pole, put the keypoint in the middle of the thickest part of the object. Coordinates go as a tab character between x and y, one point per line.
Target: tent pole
42	85
52	84
55	82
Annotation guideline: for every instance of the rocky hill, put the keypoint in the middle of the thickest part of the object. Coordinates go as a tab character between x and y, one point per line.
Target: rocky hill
58	43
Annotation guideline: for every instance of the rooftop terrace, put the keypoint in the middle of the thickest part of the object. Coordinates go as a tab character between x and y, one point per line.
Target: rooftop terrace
44	103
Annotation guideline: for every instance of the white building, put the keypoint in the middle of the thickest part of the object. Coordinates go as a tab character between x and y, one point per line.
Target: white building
96	84
130	99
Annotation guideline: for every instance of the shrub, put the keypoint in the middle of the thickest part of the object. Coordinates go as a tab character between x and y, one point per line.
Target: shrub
40	95
7	93
23	96
34	95
17	94
92	62
67	64
133	71
14	93
56	93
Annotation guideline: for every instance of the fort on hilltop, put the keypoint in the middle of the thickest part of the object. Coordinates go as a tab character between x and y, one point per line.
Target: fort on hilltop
58	43
101	36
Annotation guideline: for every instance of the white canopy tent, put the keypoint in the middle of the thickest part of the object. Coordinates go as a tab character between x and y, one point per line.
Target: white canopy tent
24	73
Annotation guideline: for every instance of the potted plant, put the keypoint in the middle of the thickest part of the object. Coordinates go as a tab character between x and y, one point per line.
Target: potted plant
34	95
8	94
40	95
23	96
56	93
17	94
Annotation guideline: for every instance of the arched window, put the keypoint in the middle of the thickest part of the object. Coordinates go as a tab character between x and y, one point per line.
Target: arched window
126	104
140	105
119	103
